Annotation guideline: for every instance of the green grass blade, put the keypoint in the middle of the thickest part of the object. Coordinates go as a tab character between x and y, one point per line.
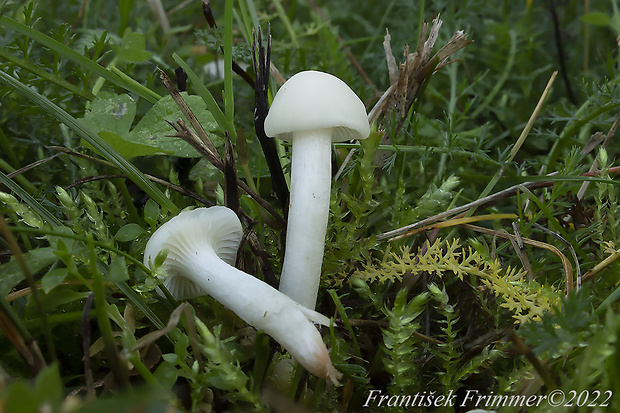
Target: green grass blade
28	199
145	91
500	82
205	94
20	178
287	23
76	57
95	141
249	18
137	301
345	320
229	101
45	75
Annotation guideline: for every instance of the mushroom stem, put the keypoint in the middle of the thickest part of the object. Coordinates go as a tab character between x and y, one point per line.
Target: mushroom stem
256	302
308	215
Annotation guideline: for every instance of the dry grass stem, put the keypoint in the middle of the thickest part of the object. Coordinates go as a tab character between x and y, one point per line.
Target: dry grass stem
566	265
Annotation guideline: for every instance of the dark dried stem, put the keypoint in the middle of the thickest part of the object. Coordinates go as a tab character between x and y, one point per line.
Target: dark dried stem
208	13
261	105
189	114
231	194
185	133
560	47
487	200
151	178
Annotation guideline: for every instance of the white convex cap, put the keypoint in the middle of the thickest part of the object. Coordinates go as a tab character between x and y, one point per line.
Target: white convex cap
315	100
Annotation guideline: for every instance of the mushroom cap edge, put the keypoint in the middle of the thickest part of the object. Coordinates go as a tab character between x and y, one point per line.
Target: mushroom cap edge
316	100
215	227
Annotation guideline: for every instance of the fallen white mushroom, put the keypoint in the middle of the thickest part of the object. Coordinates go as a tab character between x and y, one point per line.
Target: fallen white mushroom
312	109
202	244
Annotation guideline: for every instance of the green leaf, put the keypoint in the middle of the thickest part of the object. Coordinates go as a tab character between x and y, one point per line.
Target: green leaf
167	374
20	399
45	395
206	96
153	130
48	387
130	149
87	134
129	232
53	278
160	258
81	60
597	18
151	213
111	117
110	112
132	48
12	273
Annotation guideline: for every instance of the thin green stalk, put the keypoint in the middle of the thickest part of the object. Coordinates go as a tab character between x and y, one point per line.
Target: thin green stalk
124	10
16	332
131	208
427	149
7	149
452	70
99	244
103	321
28	199
59	318
46	75
75	57
345	320
154	96
521	139
249	18
500	82
262	351
287	23
101	81
611	299
295	386
205	94
131	295
420	17
380	28
101	146
17	253
23	182
572	128
547	212
229	100
146	374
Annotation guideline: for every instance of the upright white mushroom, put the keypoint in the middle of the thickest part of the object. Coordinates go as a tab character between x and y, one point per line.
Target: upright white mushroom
312	109
202	244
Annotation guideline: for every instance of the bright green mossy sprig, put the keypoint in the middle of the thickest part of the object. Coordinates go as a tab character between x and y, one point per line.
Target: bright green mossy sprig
526	299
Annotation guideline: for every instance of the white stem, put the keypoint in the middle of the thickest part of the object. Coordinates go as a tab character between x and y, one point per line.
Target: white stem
262	306
311	172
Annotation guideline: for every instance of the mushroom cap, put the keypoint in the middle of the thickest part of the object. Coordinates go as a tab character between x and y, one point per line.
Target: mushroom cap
315	100
189	233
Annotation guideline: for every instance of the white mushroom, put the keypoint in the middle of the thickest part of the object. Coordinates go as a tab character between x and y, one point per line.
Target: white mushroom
202	244
312	109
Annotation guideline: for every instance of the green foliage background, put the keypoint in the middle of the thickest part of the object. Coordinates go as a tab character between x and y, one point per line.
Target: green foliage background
89	169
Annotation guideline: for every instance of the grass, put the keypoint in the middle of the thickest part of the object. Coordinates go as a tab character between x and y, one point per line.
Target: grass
473	238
